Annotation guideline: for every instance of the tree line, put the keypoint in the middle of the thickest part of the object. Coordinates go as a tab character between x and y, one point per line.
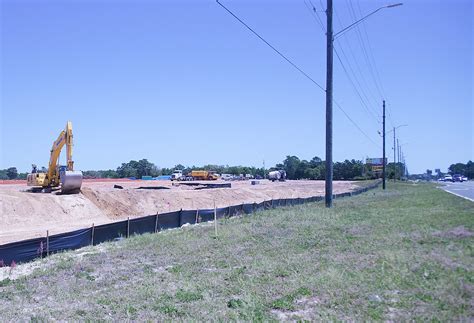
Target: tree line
295	168
466	169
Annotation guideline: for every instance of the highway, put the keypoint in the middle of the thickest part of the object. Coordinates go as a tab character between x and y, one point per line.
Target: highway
464	189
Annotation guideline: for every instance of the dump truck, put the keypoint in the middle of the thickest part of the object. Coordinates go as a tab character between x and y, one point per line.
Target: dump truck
203	175
65	177
277	175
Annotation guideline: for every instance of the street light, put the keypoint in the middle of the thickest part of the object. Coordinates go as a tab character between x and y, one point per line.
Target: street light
366	16
395	150
330	36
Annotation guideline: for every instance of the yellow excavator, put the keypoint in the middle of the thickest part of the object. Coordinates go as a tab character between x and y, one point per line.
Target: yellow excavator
55	176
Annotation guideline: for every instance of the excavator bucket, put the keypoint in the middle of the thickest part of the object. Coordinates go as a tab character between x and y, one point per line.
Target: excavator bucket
71	182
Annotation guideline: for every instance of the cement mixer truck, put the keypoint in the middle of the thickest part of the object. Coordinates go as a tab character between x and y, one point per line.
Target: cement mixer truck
277	175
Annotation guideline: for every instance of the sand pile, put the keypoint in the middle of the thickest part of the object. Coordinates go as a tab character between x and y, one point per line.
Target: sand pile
27	215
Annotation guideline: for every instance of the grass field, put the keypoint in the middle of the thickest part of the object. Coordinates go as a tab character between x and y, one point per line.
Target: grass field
404	253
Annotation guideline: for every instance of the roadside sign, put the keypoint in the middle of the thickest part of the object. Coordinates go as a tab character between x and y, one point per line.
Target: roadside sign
375	161
377	168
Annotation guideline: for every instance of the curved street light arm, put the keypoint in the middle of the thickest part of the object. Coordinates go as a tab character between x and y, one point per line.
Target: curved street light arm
363	18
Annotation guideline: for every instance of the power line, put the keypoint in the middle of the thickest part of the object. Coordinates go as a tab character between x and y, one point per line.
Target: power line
355	124
376	101
296	67
364	50
354	86
315	14
313	10
371	53
272	47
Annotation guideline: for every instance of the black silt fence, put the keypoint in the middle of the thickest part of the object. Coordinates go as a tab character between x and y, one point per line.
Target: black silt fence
27	250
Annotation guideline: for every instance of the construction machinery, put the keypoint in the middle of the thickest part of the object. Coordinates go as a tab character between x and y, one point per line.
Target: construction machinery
277	175
56	176
203	175
177	175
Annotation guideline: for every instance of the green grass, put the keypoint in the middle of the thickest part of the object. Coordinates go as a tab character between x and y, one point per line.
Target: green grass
401	254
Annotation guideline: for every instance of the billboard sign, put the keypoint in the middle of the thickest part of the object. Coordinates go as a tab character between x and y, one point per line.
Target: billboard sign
377	168
375	161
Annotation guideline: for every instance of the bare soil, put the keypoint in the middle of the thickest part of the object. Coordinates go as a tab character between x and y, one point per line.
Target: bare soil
28	215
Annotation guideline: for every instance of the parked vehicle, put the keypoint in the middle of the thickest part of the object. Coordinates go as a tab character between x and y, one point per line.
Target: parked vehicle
277	175
457	178
226	177
203	175
448	178
177	175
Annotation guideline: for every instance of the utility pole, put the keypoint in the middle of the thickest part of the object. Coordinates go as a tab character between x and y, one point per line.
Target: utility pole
398	154
329	54
394	156
383	157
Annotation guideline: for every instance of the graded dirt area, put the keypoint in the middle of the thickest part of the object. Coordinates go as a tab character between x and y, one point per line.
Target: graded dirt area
28	215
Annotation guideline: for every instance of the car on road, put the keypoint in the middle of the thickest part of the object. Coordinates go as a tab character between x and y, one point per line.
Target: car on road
465	179
448	178
226	177
457	178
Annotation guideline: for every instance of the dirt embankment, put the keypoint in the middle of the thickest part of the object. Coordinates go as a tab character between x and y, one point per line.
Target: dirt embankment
27	215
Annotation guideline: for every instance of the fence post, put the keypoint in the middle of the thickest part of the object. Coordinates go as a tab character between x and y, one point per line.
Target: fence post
215	218
156	221
197	216
47	242
128	227
92	234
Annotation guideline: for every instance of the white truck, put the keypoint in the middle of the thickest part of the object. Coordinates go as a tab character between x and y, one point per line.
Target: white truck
277	175
177	175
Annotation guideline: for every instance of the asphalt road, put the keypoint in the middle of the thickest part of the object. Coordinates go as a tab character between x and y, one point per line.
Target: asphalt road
464	189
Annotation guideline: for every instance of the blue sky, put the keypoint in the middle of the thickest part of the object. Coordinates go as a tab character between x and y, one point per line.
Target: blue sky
184	82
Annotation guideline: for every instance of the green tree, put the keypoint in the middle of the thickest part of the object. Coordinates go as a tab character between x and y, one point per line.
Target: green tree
179	167
312	173
290	165
12	173
3	174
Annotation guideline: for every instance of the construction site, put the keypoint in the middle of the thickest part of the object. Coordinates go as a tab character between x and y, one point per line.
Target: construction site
26	214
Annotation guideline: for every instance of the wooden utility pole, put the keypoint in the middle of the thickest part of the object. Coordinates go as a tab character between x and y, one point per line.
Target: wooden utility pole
394	156
383	153
329	72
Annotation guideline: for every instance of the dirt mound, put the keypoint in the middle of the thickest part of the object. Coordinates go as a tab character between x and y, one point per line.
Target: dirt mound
27	215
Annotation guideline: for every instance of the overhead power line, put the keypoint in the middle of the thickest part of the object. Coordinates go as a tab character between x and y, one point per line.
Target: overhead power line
299	69
314	13
354	86
372	54
355	124
371	95
364	48
272	47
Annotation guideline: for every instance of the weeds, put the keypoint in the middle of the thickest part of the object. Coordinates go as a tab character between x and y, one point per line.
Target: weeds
399	255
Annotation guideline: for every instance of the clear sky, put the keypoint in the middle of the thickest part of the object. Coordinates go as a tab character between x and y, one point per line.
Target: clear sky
184	82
